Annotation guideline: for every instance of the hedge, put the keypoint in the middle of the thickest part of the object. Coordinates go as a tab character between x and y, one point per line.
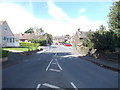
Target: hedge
4	53
26	44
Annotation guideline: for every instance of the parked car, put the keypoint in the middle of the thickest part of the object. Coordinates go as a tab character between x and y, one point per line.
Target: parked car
56	43
67	44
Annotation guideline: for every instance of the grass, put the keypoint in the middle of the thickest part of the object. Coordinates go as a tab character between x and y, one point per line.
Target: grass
21	49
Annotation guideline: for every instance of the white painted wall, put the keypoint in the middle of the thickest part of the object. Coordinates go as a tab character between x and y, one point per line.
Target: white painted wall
7	33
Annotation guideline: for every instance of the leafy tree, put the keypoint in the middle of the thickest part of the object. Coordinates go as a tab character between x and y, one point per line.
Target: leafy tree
114	16
102	30
48	37
88	43
101	40
29	31
114	22
39	31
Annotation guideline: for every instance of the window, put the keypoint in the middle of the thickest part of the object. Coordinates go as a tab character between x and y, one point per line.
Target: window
5	28
4	38
13	40
7	39
10	40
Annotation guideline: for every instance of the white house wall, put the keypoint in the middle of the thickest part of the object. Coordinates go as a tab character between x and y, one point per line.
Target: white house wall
7	35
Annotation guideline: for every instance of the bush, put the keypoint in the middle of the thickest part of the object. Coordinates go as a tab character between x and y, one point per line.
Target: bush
29	45
37	45
88	43
4	53
42	42
103	41
26	44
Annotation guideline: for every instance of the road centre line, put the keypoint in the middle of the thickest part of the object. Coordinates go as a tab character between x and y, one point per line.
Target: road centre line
58	64
54	70
49	65
73	85
38	86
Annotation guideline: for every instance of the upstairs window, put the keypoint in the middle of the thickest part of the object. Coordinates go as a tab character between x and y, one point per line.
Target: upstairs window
5	28
4	38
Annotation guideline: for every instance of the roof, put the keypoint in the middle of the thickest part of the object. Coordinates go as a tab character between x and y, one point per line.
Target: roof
1	22
58	37
25	36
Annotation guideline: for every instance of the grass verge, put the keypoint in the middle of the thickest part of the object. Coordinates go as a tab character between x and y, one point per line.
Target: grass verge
21	49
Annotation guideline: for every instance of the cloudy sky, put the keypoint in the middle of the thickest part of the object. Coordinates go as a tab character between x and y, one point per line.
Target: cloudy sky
57	18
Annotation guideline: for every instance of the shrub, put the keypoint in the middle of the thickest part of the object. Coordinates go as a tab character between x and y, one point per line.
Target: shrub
103	41
4	53
37	45
29	45
42	42
26	44
88	43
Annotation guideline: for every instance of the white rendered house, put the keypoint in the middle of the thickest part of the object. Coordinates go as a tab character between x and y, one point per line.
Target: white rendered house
8	39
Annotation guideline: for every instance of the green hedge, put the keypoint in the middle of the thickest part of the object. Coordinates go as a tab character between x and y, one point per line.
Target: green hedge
4	53
26	44
42	42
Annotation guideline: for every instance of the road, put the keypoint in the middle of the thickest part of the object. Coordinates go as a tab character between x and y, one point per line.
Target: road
57	67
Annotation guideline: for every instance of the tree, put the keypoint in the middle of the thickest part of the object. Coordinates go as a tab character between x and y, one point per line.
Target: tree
114	16
49	38
39	31
100	40
102	30
29	30
114	22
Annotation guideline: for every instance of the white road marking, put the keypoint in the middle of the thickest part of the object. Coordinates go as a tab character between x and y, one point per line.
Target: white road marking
54	70
49	65
58	64
41	51
51	86
73	85
38	86
55	54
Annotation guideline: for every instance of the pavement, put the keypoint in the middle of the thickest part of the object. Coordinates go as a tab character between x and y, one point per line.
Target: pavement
56	68
110	64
